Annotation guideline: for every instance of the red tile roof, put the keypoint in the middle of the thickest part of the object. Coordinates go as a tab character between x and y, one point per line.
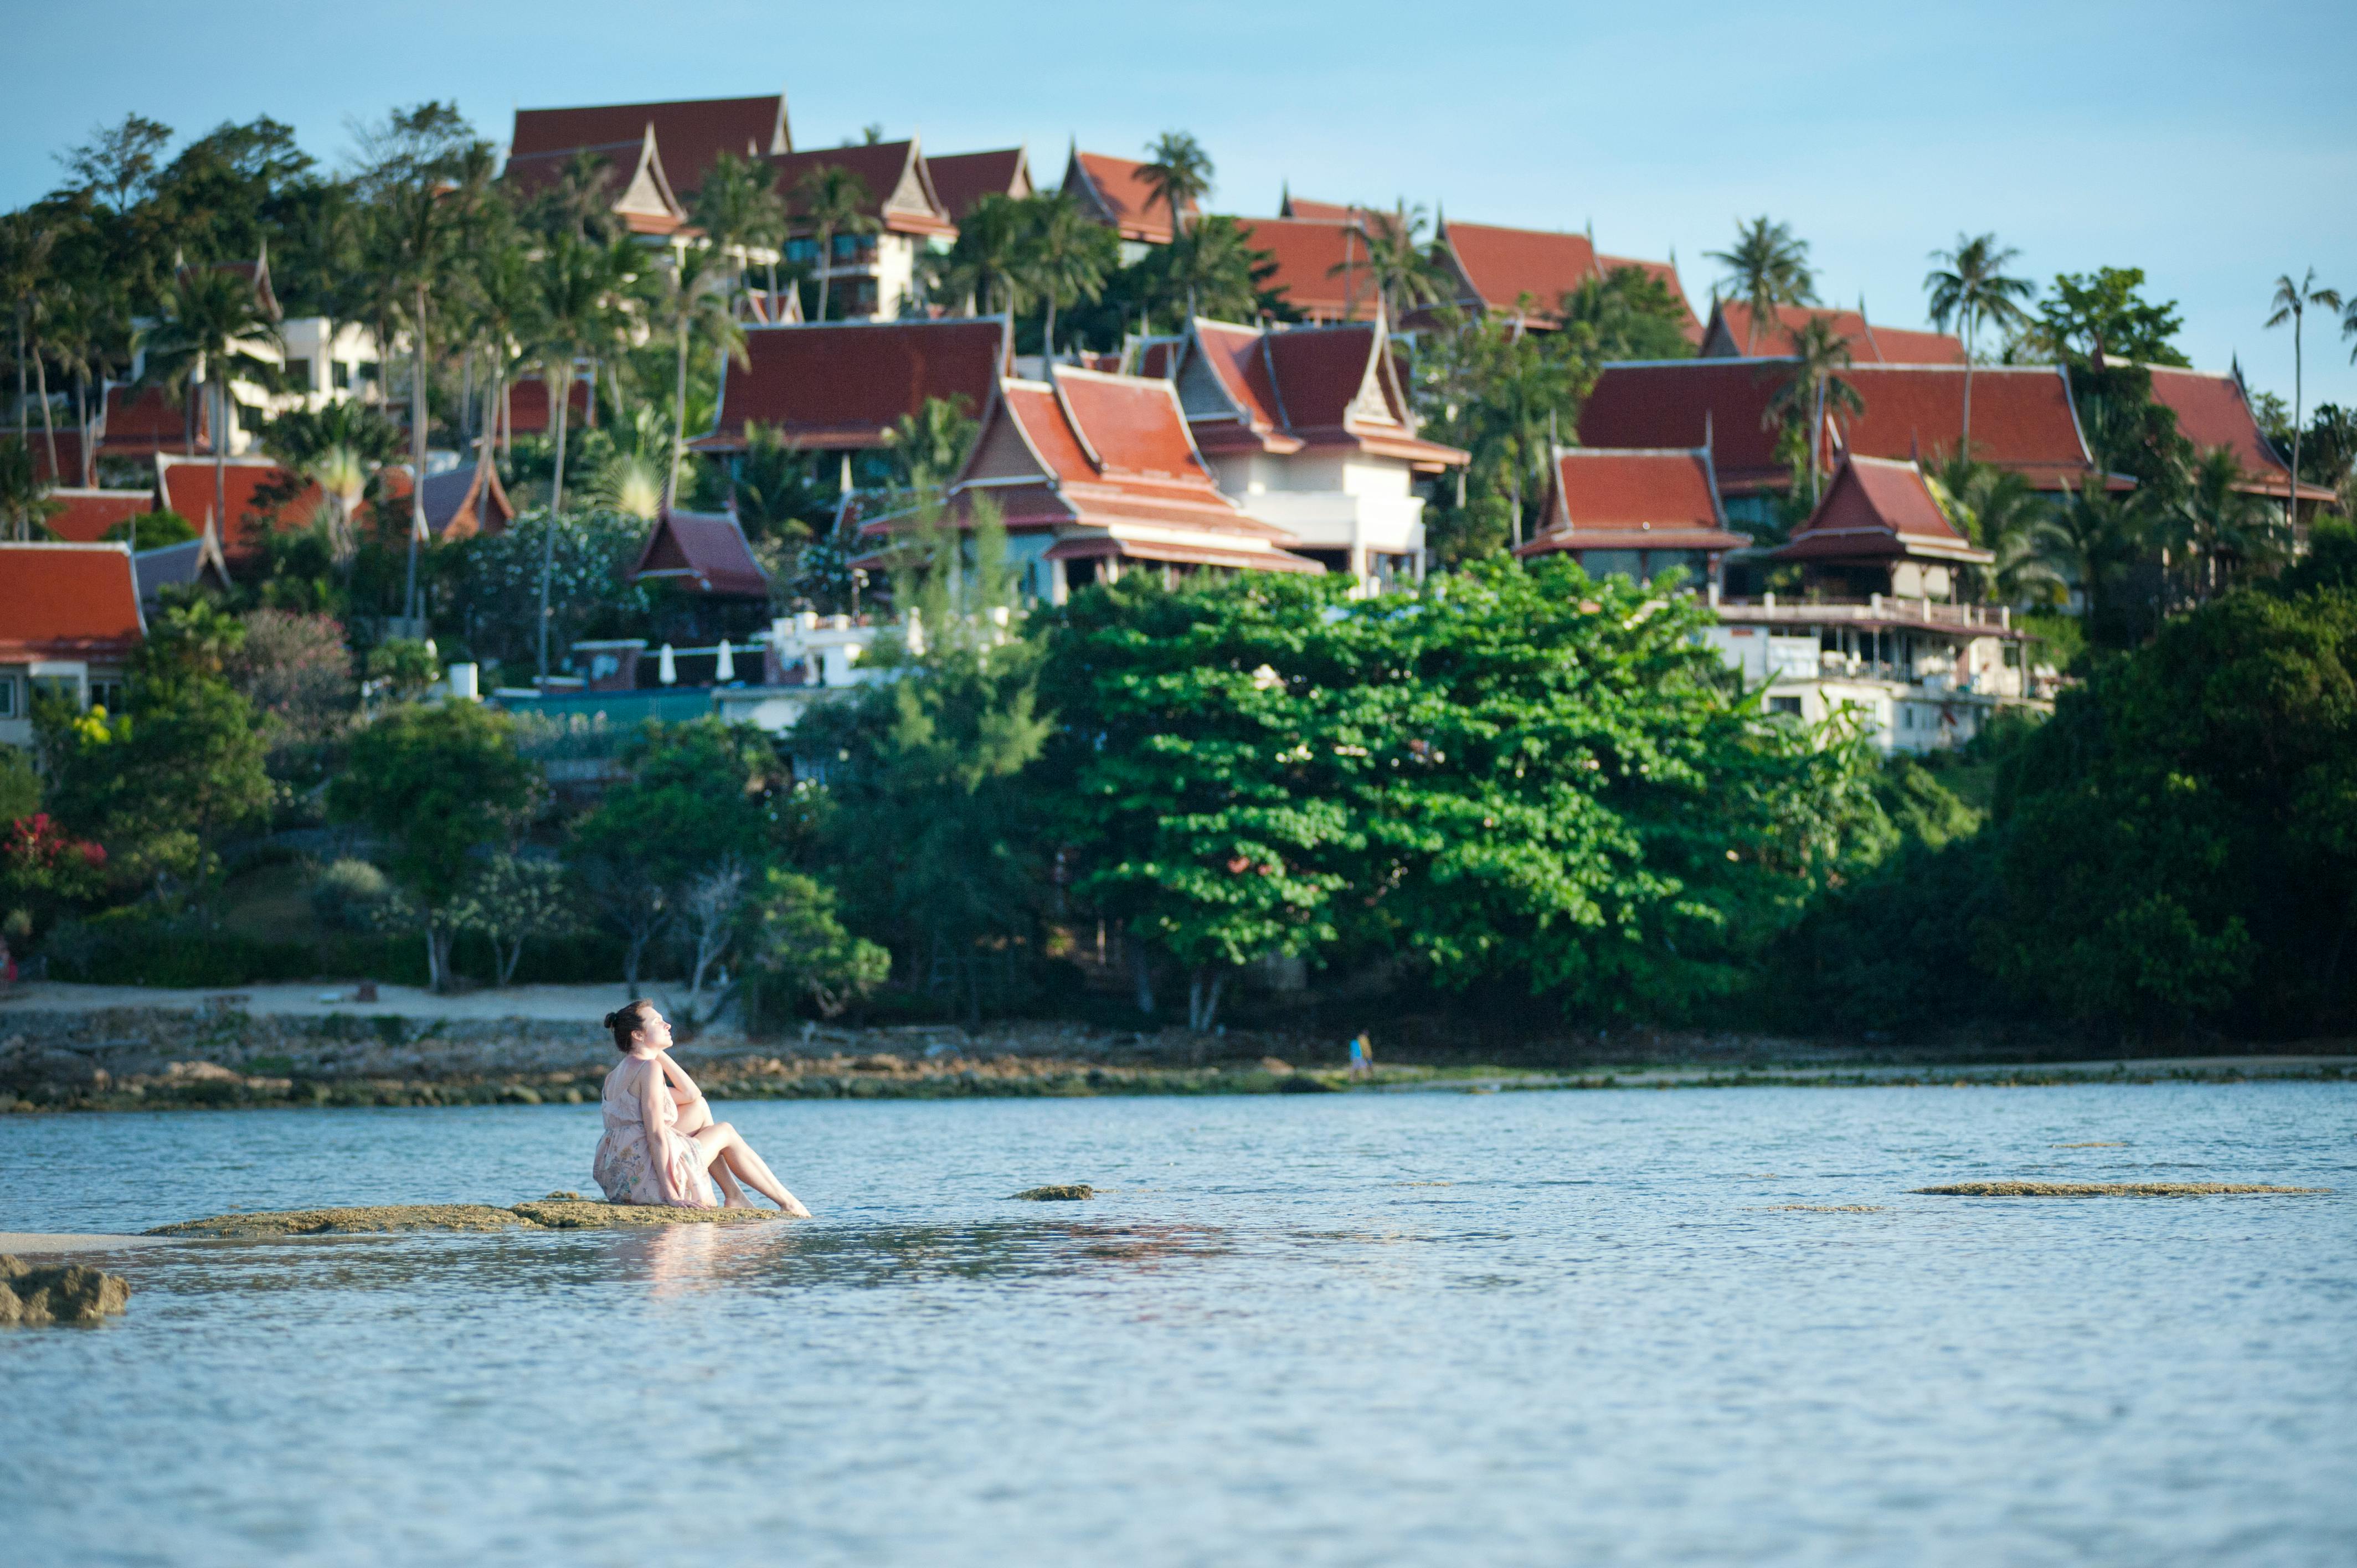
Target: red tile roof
88	514
69	470
140	420
1294	206
1113	192
1731	335
1107	462
961	179
186	486
704	552
1307	253
1497	267
530	412
900	187
2022	416
1286	388
460	502
1604	499
2211	411
843	383
68	601
632	171
1876	509
691	133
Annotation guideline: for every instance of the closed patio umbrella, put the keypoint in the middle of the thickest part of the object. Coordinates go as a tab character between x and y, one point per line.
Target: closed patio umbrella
727	669
667	667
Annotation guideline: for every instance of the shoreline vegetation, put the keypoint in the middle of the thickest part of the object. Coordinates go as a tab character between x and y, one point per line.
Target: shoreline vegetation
133	1059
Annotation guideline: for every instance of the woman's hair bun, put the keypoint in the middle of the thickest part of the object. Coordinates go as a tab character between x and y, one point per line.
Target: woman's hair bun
607	1021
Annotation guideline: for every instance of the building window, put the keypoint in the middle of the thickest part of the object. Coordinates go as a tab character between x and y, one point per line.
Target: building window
107	694
1785	706
804	251
340	374
58	688
7	696
368	369
298	374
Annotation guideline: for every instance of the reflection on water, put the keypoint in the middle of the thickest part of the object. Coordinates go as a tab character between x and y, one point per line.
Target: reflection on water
1347	1329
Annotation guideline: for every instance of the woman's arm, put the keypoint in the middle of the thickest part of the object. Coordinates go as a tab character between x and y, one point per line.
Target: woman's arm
683	1088
650	1110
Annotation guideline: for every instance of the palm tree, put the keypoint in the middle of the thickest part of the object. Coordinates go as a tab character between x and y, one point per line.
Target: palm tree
2291	303
91	335
1812	387
1179	171
692	305
1066	258
25	246
833	200
212	319
24	502
982	266
1969	287
1400	259
2220	525
425	177
2102	532
737	208
501	294
1770	267
580	311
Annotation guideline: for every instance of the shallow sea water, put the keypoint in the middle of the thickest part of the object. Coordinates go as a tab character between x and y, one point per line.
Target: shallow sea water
1427	1328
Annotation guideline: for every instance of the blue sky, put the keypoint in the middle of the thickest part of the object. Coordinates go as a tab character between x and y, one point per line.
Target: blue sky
2213	145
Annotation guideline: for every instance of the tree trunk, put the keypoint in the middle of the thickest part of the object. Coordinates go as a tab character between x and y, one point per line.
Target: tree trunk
633	951
417	416
23	429
437	953
826	266
678	425
49	425
2291	491
1966	453
548	543
1048	333
1141	973
1816	439
508	960
220	461
485	436
1203	1000
81	421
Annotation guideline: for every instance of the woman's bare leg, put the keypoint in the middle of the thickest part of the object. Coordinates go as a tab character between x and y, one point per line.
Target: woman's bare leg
694	1117
722	1143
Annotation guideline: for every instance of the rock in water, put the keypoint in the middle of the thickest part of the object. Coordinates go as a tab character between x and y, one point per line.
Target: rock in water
2107	1189
557	1211
67	1294
1073	1193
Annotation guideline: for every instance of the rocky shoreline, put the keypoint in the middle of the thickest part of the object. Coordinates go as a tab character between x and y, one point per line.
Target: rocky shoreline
131	1058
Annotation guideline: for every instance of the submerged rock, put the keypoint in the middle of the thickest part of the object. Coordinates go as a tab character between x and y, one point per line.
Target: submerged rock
557	1211
2103	1189
69	1293
1073	1193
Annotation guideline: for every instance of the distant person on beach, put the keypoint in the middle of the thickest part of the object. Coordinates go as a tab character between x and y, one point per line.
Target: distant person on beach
661	1139
1362	1056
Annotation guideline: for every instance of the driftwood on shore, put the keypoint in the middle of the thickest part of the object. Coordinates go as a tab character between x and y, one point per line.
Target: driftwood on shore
557	1211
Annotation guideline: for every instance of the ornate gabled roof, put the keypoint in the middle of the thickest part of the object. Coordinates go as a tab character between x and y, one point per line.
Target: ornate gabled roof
257	272
1283	388
68	601
1116	194
460	502
844	384
1733	335
88	514
185	485
1107	462
704	552
1322	267
1876	509
643	198
531	413
181	565
961	179
2212	411
2022	416
899	185
1292	206
1496	267
691	134
143	419
1610	498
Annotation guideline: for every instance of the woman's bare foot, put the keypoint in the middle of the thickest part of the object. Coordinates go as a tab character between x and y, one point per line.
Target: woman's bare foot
736	1201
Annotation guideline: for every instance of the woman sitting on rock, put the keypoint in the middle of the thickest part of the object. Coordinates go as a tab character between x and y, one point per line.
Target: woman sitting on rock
661	1139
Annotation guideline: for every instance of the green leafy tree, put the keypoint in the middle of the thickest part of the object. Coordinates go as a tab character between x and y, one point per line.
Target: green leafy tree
442	787
980	270
1767	266
1065	258
1404	261
928	447
739	211
165	783
1970	286
1628	314
692	308
215	323
25	504
580	311
2090	317
699	796
1210	270
1505	396
795	941
1813	386
2218	530
43	869
512	901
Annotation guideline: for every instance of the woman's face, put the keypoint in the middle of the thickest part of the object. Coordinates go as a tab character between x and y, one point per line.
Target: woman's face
655	1029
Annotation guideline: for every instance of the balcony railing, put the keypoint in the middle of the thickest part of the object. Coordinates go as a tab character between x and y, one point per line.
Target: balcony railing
1876	608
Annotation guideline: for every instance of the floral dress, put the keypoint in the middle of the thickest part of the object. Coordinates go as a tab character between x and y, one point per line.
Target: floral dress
622	1166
